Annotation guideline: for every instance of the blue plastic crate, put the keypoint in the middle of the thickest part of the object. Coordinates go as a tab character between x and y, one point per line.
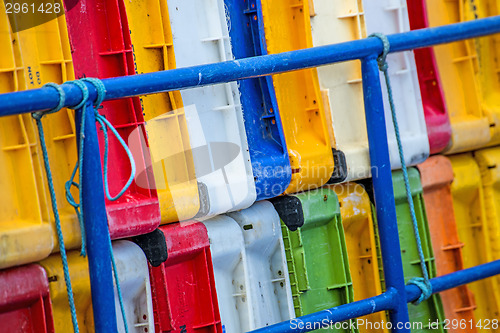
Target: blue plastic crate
266	140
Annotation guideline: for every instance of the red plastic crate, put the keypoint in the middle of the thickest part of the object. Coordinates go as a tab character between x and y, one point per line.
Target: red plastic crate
24	300
101	47
183	287
436	115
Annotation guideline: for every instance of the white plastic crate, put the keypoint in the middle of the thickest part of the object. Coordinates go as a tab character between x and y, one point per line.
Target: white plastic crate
231	274
266	261
251	276
389	17
133	275
343	85
214	114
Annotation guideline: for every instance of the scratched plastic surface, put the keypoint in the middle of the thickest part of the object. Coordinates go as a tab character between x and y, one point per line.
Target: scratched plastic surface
343	89
474	231
488	161
436	115
388	17
488	54
316	251
25	231
341	83
101	48
266	140
437	175
171	154
362	246
46	54
430	310
269	287
183	287
286	27
134	282
458	66
232	280
251	275
214	113
24	300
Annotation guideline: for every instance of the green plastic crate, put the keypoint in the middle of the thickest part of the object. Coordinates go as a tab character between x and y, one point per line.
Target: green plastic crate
315	251
431	310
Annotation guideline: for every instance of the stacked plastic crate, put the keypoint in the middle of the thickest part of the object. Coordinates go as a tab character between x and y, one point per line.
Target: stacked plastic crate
459	189
251	203
342	84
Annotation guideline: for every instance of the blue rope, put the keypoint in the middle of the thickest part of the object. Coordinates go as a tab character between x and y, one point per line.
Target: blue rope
62	99
69	197
421	282
105	124
425	286
101	92
62	249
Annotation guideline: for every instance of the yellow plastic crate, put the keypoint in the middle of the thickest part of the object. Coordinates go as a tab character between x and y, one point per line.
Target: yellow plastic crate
356	212
132	270
168	135
473	230
488	58
80	282
25	231
341	82
50	53
60	132
287	27
458	66
488	161
46	57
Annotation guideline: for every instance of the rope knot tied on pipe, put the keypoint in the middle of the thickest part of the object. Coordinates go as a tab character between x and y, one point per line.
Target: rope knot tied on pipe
425	286
381	60
62	99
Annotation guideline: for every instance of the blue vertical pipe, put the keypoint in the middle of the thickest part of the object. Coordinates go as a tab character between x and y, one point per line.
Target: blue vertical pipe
383	190
96	227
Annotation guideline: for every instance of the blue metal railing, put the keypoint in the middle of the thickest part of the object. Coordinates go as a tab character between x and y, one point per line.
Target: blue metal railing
397	295
384	301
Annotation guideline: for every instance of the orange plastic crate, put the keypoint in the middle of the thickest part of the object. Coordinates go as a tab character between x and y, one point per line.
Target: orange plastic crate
437	175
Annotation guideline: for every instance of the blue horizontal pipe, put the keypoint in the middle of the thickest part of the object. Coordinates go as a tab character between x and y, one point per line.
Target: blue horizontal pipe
456	279
181	78
336	314
383	301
